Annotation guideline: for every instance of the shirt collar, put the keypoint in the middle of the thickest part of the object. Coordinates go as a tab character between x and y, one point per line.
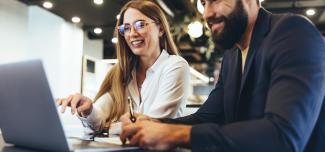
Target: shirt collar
162	57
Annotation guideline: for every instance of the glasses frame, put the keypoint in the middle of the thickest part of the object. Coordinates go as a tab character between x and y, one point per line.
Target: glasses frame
134	26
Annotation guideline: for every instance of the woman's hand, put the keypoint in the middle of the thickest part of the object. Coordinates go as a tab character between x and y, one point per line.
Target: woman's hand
78	103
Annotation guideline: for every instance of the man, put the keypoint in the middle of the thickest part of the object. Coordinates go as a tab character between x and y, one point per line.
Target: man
270	93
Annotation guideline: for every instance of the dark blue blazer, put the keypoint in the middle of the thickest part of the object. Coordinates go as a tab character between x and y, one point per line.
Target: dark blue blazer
276	105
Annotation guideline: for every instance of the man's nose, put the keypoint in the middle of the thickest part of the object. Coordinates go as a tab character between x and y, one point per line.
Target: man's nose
208	11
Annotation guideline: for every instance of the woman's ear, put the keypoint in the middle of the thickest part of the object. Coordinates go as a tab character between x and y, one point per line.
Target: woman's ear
161	30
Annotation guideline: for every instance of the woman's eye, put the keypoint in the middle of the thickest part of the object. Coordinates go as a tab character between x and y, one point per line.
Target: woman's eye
139	24
127	28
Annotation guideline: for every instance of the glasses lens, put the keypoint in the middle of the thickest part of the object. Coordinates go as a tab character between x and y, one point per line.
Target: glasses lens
121	29
124	28
138	25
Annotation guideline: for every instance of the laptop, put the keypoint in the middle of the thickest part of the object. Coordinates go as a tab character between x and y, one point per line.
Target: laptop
29	116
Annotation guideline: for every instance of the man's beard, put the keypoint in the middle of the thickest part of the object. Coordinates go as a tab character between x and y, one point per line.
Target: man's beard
234	27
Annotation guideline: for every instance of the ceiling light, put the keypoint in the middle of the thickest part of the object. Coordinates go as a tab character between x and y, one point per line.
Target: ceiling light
75	19
310	12
114	40
195	29
98	2
118	16
98	30
199	6
47	5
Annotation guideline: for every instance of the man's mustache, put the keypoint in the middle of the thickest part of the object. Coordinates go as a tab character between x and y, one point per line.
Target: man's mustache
215	20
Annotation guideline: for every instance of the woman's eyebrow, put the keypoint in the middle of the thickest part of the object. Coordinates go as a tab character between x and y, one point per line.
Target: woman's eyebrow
136	21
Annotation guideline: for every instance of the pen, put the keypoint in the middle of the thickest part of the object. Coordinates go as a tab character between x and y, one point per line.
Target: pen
132	117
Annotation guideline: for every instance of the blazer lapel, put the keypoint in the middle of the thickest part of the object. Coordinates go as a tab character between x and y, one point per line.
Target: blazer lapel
260	30
233	79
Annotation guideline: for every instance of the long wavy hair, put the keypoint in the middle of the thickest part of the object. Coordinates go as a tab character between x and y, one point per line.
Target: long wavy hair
118	78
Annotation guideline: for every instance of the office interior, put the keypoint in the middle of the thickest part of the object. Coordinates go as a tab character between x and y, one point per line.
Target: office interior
75	40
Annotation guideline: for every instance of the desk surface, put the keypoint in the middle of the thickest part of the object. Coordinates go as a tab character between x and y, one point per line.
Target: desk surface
4	147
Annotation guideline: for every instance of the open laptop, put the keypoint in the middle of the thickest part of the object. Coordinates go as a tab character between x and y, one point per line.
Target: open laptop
28	114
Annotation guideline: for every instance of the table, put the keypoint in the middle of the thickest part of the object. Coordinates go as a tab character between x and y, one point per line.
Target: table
4	147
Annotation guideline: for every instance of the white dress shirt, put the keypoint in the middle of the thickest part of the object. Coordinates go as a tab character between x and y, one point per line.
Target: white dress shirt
164	93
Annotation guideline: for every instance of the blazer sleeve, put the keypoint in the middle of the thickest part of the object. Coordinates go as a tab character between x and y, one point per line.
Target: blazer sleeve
296	59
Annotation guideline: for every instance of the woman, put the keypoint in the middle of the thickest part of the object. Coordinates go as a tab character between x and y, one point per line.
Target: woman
149	71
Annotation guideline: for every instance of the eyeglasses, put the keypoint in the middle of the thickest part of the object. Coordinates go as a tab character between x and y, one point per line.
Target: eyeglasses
139	26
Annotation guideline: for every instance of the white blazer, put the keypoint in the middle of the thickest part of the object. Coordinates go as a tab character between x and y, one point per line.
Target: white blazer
164	93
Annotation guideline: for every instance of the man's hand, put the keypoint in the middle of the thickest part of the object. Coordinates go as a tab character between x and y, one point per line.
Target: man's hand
156	136
125	118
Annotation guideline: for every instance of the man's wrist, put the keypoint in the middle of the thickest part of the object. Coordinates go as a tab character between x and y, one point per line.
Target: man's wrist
183	135
154	120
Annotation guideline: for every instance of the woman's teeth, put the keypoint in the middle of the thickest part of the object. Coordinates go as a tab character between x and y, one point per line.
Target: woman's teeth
136	42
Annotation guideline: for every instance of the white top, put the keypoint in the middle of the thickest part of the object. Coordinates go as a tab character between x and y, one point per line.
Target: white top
164	92
243	59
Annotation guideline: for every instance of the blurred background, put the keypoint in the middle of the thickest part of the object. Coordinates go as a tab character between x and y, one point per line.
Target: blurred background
75	41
